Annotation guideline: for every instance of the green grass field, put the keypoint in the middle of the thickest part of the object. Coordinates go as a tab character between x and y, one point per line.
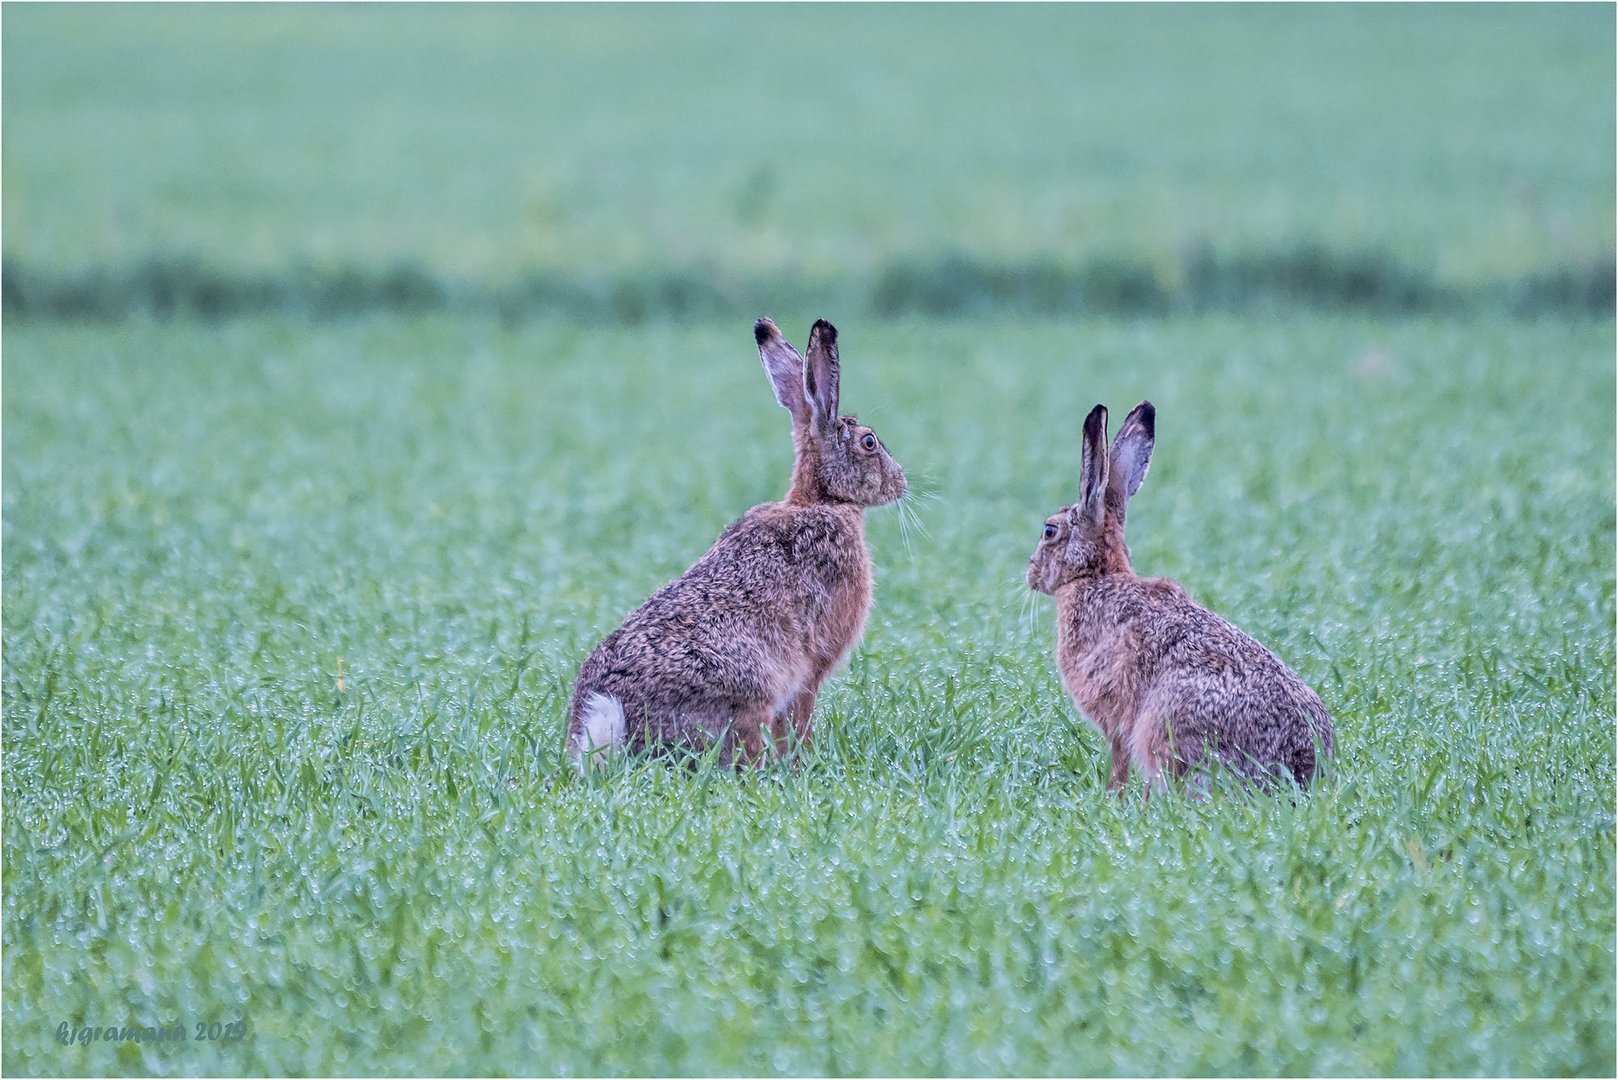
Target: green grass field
293	600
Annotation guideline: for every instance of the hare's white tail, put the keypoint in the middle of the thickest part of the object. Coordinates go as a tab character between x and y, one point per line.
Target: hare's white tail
601	733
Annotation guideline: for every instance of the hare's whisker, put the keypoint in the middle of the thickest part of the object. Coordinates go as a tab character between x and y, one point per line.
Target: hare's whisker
909	515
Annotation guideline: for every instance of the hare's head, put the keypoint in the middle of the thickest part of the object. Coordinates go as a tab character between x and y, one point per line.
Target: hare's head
1086	539
838	459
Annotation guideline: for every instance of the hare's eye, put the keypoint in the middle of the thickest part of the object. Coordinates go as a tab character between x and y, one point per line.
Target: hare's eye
869	442
1050	531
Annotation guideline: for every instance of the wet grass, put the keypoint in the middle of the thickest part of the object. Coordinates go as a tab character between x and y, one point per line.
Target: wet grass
291	614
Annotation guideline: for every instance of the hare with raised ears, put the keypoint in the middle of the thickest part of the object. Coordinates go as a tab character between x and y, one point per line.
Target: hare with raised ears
1167	682
733	651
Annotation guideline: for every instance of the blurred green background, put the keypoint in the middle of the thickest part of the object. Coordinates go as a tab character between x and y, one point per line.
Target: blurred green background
365	365
712	156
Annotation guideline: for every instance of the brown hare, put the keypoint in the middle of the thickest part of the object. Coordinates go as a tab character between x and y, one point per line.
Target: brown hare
733	651
1167	682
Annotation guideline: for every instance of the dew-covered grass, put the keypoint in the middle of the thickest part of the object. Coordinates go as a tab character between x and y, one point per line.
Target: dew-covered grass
291	614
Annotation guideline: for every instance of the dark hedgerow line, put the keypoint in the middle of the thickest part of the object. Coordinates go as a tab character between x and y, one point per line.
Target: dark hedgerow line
1305	276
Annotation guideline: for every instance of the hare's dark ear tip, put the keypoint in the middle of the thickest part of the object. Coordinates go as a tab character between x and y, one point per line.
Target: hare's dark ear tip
1146	413
1097	418
824	332
764	330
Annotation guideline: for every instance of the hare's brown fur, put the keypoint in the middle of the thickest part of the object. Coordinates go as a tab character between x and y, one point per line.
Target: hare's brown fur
1166	681
732	653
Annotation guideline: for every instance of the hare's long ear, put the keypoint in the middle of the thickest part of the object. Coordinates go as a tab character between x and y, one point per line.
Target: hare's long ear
820	374
784	367
1093	469
1132	453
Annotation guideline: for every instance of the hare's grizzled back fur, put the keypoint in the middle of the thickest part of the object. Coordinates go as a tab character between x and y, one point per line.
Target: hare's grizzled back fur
1166	681
733	651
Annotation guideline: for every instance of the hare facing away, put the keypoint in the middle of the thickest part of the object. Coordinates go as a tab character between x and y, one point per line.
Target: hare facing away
735	649
1167	682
